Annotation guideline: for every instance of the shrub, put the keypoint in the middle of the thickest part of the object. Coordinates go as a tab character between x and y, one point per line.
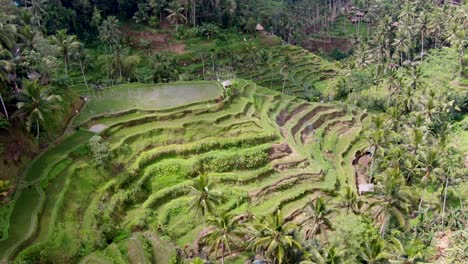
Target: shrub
4	123
100	150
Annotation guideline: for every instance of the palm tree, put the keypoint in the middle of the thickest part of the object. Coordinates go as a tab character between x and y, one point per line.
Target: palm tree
204	199
83	59
176	14
423	24
429	159
34	101
415	77
374	251
274	237
109	31
8	32
376	139
417	139
37	9
458	39
5	67
411	252
317	221
329	255
407	100
451	165
226	233
350	200
66	45
392	199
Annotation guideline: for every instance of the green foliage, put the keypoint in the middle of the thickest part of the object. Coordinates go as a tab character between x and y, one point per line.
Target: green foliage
100	150
4	123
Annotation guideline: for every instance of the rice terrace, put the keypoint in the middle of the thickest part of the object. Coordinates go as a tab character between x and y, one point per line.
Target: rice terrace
243	132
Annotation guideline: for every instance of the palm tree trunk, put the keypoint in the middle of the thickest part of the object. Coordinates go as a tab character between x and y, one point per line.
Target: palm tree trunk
222	253
445	201
374	157
422	45
462	54
66	67
4	107
37	125
194	10
204	224
83	73
384	225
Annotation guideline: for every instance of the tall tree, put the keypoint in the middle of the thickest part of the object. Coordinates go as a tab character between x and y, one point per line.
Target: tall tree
226	233
204	199
317	219
328	255
274	237
176	14
375	251
66	45
392	199
349	200
5	67
34	101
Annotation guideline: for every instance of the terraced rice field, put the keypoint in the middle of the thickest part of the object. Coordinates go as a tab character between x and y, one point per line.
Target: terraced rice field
306	71
263	150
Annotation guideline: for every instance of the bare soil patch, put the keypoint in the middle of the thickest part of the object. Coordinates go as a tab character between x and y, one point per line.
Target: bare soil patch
158	41
279	151
284	116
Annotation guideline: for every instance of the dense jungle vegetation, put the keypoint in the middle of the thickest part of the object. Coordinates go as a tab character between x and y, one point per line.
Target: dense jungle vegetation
237	131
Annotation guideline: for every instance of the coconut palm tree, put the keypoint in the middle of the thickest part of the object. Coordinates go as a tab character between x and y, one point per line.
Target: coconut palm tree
451	165
317	219
176	14
423	24
415	77
329	255
411	252
374	251
407	100
66	45
349	200
430	161
81	56
34	101
8	31
204	199
226	233
392	199
458	39
274	238
5	67
109	32
37	8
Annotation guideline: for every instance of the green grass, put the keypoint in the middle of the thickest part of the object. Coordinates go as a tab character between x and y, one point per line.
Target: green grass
41	166
147	97
21	219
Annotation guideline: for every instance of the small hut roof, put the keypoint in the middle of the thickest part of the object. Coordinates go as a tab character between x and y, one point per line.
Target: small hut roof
364	188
